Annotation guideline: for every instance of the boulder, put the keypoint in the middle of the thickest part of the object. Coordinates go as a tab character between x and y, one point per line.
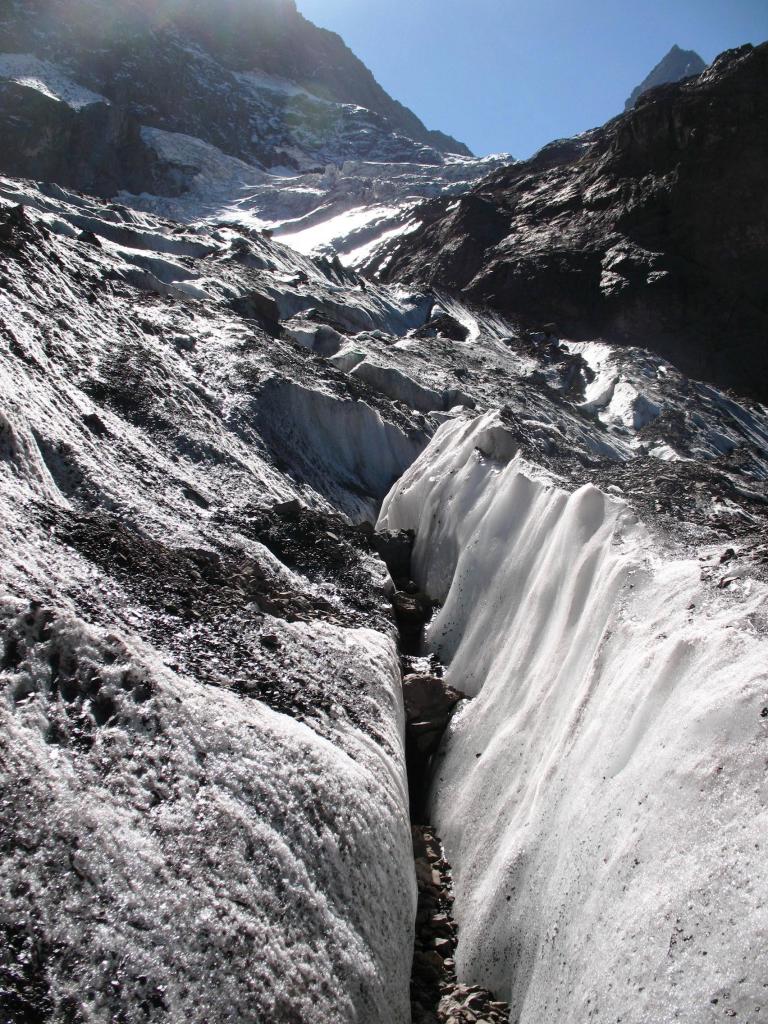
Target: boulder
395	549
429	699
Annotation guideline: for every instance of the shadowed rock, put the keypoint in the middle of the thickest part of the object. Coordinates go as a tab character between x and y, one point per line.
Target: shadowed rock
650	231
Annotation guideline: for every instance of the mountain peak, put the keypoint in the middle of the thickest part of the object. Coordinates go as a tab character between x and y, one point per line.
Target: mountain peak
677	64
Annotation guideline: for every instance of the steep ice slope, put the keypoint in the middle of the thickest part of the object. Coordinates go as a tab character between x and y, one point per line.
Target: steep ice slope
602	800
349	208
367	203
199	690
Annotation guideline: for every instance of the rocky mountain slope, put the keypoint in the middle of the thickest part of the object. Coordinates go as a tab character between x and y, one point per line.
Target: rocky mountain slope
130	52
268	524
676	65
270	121
650	231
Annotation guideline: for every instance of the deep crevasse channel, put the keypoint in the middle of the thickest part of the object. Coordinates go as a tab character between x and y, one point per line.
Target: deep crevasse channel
602	800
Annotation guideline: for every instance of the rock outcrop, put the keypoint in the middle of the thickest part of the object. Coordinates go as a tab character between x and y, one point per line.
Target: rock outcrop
650	231
97	148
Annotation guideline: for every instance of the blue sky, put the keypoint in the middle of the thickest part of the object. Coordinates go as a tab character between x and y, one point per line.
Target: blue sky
514	74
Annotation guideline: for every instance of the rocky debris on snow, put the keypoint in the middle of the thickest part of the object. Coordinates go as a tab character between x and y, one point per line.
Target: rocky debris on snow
396	385
443	325
17	230
436	995
148	811
236	597
14	219
140	501
693	503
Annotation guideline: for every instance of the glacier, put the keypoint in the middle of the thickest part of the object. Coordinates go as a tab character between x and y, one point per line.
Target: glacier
172	835
205	809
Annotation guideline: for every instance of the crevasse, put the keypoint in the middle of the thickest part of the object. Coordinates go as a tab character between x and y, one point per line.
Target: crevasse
602	800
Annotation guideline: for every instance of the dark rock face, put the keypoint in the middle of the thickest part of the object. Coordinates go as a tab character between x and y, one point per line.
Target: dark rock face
97	149
677	64
130	53
429	704
395	550
651	231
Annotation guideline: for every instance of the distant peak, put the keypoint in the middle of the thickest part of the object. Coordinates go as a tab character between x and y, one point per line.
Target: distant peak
676	65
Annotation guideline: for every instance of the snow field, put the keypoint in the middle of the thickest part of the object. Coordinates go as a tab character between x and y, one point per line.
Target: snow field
46	78
335	228
602	800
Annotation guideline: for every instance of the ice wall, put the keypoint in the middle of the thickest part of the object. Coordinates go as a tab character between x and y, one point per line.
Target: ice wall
602	800
344	449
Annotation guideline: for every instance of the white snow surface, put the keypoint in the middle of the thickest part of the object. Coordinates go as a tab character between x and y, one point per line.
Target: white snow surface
334	229
630	390
603	798
48	79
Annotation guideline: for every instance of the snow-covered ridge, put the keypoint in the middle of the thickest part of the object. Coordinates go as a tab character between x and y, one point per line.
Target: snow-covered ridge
48	79
602	798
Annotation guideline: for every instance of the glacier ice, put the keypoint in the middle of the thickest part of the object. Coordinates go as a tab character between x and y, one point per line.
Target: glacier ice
182	459
602	799
183	850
